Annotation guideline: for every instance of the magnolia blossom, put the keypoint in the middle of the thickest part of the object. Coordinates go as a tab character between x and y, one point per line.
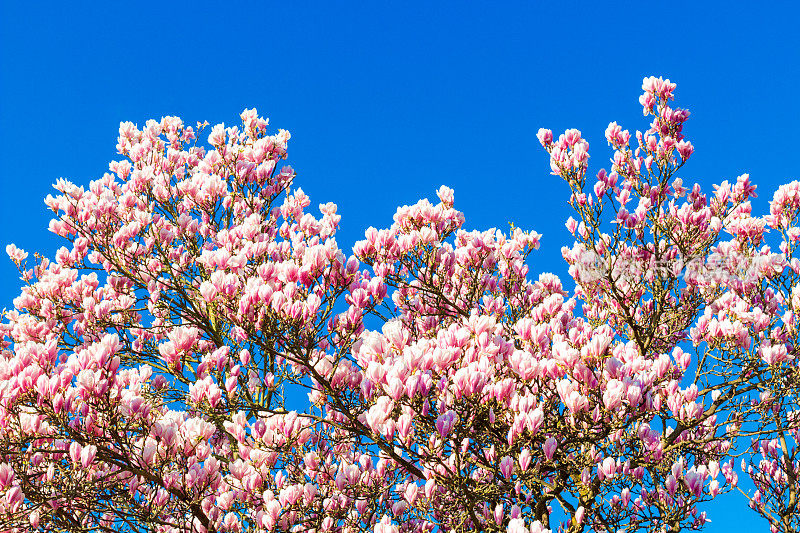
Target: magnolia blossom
150	370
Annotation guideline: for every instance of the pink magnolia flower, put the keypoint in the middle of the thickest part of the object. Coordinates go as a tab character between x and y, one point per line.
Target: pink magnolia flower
612	396
498	514
545	137
694	482
445	423
550	446
385	526
75	452
16	254
524	459
506	466
87	455
6	475
579	514
609	467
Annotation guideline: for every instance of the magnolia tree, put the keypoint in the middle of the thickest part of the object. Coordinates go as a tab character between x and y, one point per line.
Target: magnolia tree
148	369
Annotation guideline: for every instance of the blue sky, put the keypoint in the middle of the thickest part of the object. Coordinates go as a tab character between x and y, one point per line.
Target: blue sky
389	100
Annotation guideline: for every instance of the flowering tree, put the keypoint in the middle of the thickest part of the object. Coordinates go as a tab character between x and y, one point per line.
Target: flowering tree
146	368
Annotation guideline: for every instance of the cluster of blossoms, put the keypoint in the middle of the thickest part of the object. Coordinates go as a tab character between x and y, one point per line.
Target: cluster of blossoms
147	372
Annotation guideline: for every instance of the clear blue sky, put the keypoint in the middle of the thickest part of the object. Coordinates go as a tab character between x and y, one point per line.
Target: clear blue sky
390	100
